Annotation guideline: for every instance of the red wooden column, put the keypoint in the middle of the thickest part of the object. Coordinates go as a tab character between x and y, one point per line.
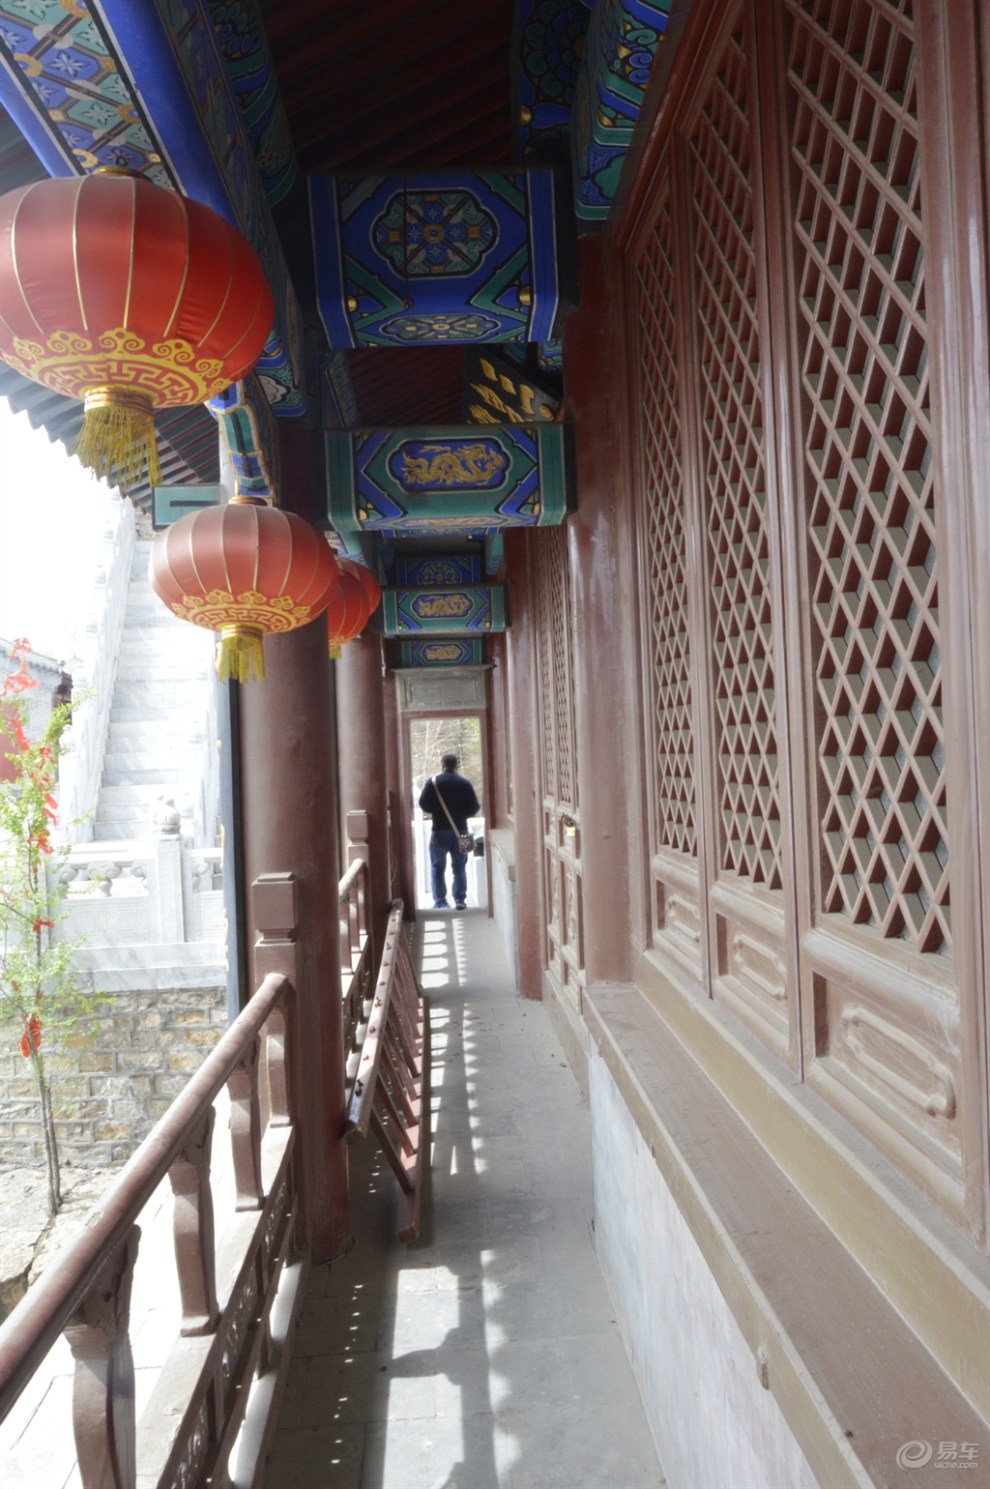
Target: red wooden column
364	767
608	785
290	826
289	794
403	871
527	808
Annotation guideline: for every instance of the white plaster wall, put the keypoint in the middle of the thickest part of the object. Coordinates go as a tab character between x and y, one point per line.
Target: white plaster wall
715	1426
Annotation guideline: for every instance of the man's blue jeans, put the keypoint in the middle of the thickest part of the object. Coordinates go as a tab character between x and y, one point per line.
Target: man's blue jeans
443	841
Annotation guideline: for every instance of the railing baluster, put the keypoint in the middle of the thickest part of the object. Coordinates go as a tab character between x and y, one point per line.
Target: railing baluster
344	923
245	1129
103	1385
192	1230
276	1044
404	1034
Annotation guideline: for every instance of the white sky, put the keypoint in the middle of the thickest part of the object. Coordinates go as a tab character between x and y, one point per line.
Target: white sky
52	516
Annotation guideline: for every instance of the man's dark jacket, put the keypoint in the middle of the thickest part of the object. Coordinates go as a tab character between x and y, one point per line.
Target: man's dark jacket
459	795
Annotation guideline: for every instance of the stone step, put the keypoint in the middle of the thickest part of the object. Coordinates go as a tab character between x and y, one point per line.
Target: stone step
150	775
133	711
129	793
132	828
144	738
157	621
145	684
152	753
151	632
167	672
162	630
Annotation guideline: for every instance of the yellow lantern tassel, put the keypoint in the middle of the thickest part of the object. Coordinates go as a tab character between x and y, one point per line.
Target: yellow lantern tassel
335	653
117	440
241	655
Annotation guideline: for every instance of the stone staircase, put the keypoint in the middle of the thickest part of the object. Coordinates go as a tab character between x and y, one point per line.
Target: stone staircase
155	745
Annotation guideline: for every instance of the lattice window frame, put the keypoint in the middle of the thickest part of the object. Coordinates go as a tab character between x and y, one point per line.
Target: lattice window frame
551	595
877	1016
734	459
874	569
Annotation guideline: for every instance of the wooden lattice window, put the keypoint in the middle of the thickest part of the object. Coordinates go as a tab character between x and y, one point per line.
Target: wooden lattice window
559	780
544	641
871	526
734	471
671	743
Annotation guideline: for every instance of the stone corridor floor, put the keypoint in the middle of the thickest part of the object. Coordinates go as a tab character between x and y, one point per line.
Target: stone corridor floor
485	1355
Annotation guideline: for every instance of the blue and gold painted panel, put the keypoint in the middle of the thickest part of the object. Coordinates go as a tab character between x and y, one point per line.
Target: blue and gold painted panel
549	43
622	41
436	257
454	479
68	79
243	45
446	568
451	651
248	430
443	610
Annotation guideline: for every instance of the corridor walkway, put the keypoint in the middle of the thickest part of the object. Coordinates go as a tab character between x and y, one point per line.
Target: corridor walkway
485	1356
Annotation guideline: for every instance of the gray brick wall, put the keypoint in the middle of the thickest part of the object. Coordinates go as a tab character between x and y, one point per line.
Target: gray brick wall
111	1089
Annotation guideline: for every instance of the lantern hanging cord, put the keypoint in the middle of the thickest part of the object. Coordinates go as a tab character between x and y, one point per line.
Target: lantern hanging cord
117	440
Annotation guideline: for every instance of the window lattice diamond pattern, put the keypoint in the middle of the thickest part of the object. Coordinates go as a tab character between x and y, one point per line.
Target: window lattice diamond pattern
867	450
560	641
545	644
734	471
672	736
554	642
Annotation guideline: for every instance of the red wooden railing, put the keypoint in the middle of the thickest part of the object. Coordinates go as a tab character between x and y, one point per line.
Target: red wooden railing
355	946
388	1093
217	1393
225	1342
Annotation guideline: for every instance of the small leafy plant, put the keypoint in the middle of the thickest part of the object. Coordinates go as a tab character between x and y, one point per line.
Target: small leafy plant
42	999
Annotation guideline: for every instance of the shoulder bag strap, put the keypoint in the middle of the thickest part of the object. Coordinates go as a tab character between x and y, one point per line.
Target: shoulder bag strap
439	793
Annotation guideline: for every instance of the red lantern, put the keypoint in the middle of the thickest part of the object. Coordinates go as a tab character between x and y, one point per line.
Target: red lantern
347	611
246	570
131	297
372	589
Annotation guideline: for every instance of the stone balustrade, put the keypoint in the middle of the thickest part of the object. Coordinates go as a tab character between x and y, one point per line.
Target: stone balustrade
156	894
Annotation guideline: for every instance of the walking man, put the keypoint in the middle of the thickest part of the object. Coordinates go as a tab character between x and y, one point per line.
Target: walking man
456	794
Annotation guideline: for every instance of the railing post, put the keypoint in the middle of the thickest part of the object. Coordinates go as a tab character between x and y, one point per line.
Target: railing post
103	1385
363	774
193	1231
168	874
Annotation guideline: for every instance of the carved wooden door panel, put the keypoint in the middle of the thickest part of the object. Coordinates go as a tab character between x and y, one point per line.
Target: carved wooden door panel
561	809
